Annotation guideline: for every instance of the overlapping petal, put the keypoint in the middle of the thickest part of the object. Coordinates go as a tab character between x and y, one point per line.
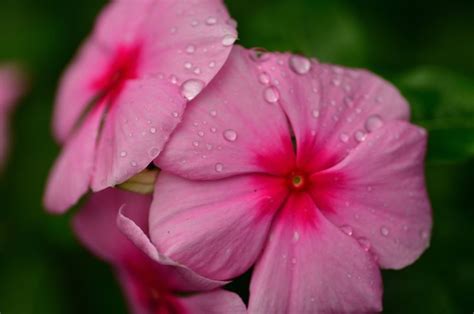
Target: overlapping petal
136	129
378	194
214	302
95	225
216	228
72	171
310	266
230	129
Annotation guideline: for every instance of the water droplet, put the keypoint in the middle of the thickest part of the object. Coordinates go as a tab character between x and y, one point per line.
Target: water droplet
154	151
213	130
211	20
173	79
188	65
175	114
190	49
219	167
373	123
364	243
259	54
152	130
195	143
293	261
197	70
299	64
194	23
271	94
296	236
315	113
336	82
123	154
212	64
230	135
201	133
191	88
213	113
424	234
133	163
384	231
228	40
360	136
346	229
264	78
344	137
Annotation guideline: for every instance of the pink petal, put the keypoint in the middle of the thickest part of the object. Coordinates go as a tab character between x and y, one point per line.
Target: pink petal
185	279
214	302
187	40
71	174
164	31
310	266
331	109
95	223
216	228
76	92
135	130
230	129
380	195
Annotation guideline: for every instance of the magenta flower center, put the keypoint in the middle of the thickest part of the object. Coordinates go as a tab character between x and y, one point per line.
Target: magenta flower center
123	67
298	181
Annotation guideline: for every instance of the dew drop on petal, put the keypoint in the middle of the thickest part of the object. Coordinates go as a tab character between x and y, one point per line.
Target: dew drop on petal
195	143
175	114
346	229
201	133
219	167
228	40
191	88
264	78
364	243
360	136
259	54
384	231
344	137
213	113
190	49
315	113
152	130
271	94
212	64
154	151
133	163
373	123
230	135
424	234
123	154
211	20
296	236
299	64
293	261
213	130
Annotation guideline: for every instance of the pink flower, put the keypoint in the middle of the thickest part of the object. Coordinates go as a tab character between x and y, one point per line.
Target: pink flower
11	87
149	286
126	91
309	172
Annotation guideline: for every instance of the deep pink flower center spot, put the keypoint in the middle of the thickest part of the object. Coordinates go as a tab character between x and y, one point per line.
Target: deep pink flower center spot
297	181
123	67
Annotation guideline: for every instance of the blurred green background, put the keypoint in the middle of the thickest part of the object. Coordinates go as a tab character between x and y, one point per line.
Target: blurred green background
426	48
